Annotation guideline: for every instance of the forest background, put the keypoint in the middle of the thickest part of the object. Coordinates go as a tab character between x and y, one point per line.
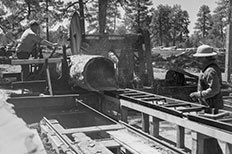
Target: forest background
168	25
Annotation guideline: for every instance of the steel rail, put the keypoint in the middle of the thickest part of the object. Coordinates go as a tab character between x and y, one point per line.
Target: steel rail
61	138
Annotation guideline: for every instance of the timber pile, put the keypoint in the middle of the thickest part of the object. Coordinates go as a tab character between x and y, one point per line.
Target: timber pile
180	59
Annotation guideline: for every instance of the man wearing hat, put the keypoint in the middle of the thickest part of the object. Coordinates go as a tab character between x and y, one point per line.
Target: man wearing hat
27	43
210	80
209	89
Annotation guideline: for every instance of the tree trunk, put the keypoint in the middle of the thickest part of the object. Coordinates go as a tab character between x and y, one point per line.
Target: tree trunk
91	72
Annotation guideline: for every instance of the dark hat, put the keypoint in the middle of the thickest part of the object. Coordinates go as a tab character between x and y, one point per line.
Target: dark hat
33	22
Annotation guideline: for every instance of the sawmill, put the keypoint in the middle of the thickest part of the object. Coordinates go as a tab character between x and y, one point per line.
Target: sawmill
86	101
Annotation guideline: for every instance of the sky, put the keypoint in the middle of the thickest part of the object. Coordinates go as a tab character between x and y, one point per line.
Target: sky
191	6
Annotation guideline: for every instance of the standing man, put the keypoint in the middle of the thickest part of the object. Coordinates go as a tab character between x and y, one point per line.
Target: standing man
27	44
210	80
209	89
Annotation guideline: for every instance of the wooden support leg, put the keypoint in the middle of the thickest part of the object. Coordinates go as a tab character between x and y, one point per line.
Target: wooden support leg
226	147
180	137
48	77
145	122
155	127
202	144
128	152
124	114
197	143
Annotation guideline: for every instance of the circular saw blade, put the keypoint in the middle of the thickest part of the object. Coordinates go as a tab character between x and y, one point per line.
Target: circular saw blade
75	34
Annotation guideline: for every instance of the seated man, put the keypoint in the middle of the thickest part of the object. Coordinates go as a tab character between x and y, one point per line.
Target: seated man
27	43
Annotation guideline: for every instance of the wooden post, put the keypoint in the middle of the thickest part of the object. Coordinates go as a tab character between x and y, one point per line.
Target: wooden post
180	137
228	46
82	19
226	148
124	114
48	77
145	122
102	15
155	127
197	143
148	57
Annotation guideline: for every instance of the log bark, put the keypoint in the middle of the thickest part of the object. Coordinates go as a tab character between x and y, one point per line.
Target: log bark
91	72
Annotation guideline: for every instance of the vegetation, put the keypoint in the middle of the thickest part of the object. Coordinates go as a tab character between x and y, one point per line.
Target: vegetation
167	24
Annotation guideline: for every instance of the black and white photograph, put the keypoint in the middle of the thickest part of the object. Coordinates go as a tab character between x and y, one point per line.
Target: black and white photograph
115	77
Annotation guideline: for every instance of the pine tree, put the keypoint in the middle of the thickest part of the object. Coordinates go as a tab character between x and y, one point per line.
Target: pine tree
112	14
204	21
137	13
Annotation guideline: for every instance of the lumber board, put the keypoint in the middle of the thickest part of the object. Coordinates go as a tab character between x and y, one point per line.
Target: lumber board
199	127
11	75
43	101
192	109
92	129
133	143
89	146
176	104
28	84
35	61
109	143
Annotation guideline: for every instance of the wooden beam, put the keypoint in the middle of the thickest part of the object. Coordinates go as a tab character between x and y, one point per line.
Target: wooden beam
92	129
197	143
124	114
192	109
145	122
43	101
89	146
180	136
135	144
228	57
35	61
155	127
28	84
11	75
186	123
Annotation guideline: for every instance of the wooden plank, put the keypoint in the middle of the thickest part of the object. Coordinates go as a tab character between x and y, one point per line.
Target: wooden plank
48	77
28	84
180	137
89	146
154	99
92	129
109	143
133	143
226	120
197	143
35	61
176	104
43	101
202	128
155	127
11	75
124	114
192	109
145	122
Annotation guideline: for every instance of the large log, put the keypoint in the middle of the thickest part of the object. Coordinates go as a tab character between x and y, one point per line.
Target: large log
91	72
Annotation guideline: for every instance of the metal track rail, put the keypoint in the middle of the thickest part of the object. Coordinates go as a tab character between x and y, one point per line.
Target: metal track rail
70	147
161	103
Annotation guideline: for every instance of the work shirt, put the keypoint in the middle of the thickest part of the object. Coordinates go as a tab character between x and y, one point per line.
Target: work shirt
28	41
209	84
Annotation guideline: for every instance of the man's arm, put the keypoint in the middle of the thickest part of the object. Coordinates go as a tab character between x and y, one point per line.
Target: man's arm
48	43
